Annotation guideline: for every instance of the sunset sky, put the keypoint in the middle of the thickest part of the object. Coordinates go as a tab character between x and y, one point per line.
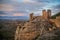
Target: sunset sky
22	8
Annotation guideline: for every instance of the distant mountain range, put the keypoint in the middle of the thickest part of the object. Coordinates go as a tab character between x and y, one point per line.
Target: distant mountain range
13	17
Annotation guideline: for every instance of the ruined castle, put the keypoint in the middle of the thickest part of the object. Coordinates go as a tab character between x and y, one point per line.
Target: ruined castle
47	15
37	26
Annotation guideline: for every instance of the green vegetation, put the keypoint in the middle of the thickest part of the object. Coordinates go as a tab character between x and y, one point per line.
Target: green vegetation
54	16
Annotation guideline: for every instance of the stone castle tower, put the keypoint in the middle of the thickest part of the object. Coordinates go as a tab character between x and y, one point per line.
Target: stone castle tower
49	13
31	16
46	14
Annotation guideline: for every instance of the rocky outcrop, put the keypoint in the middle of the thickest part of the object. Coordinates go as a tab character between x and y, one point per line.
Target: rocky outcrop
36	29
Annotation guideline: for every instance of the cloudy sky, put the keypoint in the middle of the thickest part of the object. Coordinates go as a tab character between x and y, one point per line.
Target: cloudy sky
22	8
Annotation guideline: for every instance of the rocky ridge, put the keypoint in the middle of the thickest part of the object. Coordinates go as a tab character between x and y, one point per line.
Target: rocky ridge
37	29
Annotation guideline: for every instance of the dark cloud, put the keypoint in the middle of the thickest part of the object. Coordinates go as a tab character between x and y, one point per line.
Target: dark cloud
28	6
57	7
19	12
5	1
42	1
1	12
47	1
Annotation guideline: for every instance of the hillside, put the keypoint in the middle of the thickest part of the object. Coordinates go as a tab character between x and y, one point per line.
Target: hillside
54	16
37	29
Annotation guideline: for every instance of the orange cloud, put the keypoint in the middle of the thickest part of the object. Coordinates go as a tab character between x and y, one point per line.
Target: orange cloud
19	14
3	15
25	1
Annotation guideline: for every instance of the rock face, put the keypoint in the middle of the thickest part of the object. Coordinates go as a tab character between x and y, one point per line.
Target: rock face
36	29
